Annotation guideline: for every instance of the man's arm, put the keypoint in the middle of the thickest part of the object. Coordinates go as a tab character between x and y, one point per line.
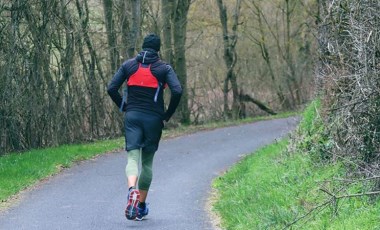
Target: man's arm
175	90
113	87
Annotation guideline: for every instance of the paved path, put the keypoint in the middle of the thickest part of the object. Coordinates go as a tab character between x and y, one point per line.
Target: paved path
92	194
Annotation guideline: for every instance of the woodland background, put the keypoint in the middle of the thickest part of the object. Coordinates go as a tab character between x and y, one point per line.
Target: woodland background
234	59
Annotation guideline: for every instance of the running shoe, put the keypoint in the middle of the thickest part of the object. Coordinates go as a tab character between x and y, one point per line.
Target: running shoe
131	211
142	212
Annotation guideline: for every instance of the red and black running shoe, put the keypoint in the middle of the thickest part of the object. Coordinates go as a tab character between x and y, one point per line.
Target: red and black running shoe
131	211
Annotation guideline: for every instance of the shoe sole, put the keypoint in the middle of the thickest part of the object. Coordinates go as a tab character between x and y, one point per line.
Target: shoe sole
139	219
131	211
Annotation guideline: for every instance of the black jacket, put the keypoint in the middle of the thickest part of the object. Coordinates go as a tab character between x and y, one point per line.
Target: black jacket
143	98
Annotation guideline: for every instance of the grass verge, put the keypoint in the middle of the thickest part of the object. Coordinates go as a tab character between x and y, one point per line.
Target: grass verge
270	190
278	189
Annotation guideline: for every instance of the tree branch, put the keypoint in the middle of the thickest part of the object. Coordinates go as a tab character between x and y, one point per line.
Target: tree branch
333	199
248	98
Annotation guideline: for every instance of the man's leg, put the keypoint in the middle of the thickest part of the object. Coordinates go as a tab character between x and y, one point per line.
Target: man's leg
145	180
133	141
146	174
132	168
152	128
132	173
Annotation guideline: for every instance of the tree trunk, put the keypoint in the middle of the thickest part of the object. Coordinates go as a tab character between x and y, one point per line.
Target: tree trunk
64	95
111	35
265	54
293	85
167	9
179	37
134	33
230	58
96	109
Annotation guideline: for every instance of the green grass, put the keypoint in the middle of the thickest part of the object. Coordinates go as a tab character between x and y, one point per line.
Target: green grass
270	189
274	187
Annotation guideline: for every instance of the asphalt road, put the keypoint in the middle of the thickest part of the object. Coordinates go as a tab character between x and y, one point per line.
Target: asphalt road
93	194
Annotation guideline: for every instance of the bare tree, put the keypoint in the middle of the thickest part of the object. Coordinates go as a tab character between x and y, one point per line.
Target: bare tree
285	49
180	9
262	43
167	11
128	16
55	63
230	57
111	34
135	28
52	90
93	67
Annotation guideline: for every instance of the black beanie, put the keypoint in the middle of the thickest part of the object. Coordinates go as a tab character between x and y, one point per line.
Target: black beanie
152	41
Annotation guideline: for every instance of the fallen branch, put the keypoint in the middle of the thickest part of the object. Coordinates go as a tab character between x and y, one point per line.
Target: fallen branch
355	180
359	194
333	199
248	98
308	213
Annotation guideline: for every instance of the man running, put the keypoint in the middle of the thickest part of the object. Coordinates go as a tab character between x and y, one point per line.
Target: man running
146	76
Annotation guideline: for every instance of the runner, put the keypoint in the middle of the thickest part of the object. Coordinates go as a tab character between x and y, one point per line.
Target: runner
146	77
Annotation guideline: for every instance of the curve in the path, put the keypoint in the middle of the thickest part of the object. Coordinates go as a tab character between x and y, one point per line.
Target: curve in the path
92	194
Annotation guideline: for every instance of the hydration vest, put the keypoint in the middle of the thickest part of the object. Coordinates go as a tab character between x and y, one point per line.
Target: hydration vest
143	77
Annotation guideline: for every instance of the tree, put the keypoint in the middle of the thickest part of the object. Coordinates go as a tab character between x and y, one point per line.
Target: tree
177	27
284	47
134	33
167	11
53	85
55	62
111	34
230	57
